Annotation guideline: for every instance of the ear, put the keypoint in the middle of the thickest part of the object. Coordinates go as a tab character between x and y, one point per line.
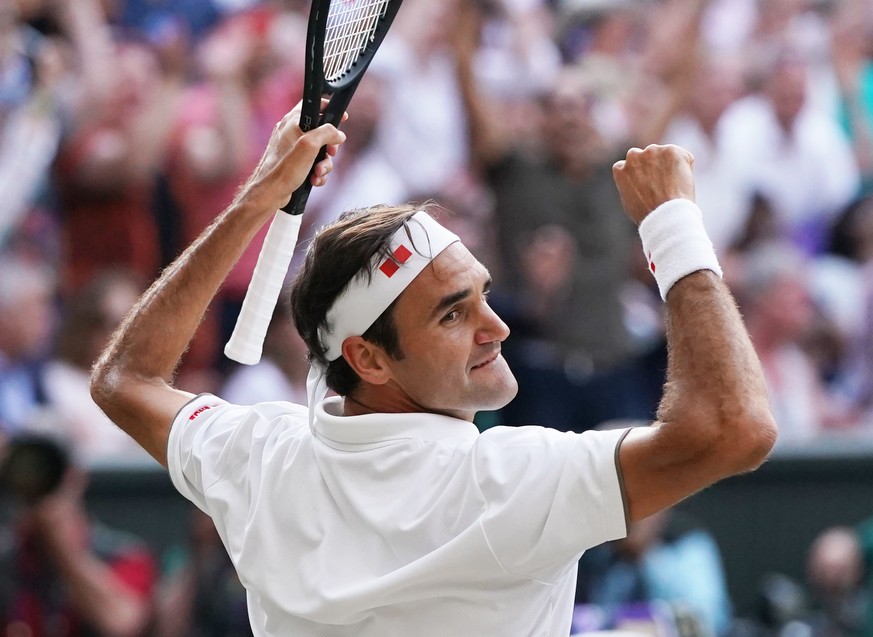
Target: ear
368	360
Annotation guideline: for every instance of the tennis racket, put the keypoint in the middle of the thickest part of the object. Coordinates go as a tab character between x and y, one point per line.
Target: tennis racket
341	39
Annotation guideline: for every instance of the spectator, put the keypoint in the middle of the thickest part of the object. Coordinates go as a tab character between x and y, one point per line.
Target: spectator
853	64
88	321
667	557
564	252
63	573
835	573
107	161
224	117
720	180
779	311
852	240
27	321
797	157
415	60
30	126
204	597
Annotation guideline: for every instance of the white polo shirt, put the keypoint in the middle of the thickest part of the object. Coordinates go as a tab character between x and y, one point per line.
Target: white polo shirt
397	524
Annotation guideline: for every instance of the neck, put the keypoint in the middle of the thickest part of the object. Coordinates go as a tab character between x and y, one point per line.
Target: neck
354	407
390	399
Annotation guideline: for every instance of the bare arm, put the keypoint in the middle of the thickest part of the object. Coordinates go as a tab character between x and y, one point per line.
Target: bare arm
489	141
86	25
714	418
224	58
96	592
132	380
672	57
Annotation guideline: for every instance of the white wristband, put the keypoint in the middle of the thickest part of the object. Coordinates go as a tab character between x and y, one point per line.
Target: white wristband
676	244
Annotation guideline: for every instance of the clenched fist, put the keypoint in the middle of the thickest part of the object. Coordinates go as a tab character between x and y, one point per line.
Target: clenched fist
647	178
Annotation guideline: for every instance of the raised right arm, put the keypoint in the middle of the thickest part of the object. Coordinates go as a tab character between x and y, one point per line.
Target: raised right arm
488	138
714	418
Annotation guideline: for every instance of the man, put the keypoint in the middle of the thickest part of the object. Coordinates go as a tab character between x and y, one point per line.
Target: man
26	325
62	572
383	511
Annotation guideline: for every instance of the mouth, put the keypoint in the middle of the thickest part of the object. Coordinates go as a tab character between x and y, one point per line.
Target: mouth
487	361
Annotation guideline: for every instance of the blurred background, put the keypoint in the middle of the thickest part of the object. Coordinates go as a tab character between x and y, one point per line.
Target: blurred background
126	126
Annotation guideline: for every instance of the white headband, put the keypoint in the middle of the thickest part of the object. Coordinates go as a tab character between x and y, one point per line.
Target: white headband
413	246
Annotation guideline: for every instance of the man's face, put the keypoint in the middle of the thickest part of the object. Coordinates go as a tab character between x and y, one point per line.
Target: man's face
450	339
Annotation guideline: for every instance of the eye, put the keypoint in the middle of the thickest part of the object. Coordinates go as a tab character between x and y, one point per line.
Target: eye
452	316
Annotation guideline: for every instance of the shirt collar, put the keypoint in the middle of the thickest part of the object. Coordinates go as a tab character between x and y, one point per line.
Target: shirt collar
369	428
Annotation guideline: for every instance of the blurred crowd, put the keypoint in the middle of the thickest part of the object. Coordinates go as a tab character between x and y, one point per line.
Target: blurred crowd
126	126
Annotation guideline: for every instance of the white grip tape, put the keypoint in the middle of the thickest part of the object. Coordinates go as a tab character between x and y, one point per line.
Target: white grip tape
676	244
247	341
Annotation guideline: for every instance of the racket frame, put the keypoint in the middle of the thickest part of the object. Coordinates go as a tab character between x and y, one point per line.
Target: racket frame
246	343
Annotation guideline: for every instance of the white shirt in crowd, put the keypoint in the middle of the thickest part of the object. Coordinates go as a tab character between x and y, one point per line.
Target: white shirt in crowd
808	176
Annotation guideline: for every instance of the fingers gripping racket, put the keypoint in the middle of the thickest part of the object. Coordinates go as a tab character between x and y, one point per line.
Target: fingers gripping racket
341	39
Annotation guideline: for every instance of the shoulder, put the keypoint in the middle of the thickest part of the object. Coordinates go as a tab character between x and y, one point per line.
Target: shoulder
209	423
533	452
209	407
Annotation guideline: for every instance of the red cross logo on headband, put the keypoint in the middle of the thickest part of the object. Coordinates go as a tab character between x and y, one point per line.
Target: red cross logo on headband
390	266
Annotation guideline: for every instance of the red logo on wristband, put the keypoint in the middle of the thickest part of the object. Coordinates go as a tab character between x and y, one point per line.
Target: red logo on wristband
651	263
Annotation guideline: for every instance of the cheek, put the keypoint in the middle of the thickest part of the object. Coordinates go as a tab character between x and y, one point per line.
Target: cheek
433	362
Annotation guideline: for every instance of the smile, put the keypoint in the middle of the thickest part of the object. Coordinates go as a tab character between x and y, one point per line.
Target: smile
487	362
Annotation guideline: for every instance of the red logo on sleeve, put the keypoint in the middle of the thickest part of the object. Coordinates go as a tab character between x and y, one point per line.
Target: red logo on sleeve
198	411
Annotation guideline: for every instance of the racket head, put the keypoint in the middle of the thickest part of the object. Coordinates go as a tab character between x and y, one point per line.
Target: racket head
342	37
353	33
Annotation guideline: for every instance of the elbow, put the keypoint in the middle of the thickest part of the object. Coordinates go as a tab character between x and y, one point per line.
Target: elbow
110	385
727	442
765	439
751	443
103	384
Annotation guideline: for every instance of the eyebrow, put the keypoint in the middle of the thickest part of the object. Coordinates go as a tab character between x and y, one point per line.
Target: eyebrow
450	299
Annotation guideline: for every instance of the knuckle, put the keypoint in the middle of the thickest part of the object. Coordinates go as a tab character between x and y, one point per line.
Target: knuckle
308	143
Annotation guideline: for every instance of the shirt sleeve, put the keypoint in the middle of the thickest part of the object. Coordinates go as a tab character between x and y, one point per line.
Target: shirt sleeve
550	495
198	421
216	450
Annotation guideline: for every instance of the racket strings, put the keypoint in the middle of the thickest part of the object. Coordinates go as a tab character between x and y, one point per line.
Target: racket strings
350	27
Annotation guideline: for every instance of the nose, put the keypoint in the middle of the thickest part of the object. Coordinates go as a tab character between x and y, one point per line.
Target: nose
492	327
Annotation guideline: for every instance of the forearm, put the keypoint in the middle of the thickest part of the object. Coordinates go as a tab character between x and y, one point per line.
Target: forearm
150	342
150	130
673	56
714	417
100	598
486	134
715	390
90	34
180	297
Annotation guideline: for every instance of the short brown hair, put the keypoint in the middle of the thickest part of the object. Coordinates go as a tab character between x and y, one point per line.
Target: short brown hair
339	252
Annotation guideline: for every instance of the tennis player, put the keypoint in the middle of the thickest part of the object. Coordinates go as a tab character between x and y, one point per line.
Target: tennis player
383	511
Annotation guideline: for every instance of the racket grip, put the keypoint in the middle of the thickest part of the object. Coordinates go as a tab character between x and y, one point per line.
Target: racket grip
247	341
300	196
